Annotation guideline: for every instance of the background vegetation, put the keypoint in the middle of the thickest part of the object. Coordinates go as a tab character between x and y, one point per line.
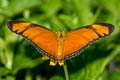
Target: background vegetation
19	60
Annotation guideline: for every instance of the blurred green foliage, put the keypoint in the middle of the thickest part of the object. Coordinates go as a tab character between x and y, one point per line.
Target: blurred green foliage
19	60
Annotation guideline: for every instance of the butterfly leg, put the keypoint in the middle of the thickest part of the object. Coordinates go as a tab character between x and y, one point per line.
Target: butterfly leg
45	58
61	63
52	62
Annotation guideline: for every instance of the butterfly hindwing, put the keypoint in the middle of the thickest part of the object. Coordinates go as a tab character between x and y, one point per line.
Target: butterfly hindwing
77	40
41	37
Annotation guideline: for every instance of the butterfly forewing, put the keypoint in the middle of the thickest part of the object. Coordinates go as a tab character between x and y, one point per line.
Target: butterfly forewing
42	38
47	41
77	40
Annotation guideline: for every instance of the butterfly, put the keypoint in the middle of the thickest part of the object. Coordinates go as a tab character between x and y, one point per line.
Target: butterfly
59	47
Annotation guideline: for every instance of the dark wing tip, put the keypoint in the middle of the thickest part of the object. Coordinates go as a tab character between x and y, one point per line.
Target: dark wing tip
10	23
110	26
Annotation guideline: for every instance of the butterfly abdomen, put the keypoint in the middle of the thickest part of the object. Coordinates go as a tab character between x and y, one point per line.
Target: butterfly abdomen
59	53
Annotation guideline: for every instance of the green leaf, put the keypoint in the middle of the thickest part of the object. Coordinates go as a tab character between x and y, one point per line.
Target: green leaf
51	7
93	70
83	12
57	77
3	71
21	62
17	6
114	75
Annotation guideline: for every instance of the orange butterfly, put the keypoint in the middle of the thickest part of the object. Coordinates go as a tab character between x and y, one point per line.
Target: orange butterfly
59	46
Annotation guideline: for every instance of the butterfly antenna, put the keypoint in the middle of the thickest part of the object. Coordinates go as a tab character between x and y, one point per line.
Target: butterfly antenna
54	25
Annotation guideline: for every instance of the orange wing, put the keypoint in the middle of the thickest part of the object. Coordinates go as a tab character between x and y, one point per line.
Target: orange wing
42	38
77	40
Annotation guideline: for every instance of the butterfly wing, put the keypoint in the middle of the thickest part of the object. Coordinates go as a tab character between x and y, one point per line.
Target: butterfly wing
77	40
41	37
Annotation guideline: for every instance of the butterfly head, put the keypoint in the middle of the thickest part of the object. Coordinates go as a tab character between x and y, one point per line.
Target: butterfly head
60	34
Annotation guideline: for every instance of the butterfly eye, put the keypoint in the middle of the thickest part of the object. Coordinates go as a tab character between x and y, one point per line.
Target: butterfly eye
60	31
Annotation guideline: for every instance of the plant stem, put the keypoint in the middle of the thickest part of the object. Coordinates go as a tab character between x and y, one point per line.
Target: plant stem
97	13
26	13
66	71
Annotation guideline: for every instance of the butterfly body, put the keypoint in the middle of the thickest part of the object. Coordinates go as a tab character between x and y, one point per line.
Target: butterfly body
59	46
